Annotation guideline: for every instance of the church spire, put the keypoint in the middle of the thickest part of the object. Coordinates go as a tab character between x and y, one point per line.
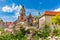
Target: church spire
22	14
30	16
39	14
22	10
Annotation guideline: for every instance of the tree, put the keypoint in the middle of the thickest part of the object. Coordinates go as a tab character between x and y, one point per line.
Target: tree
56	19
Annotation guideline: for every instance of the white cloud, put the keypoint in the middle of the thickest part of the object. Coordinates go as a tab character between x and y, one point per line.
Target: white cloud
7	9
57	10
17	8
12	8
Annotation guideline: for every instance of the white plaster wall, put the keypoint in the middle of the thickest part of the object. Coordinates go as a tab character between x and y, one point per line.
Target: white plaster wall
48	20
41	22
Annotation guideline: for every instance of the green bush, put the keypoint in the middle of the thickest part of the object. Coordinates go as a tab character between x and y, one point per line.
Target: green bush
55	32
45	32
23	34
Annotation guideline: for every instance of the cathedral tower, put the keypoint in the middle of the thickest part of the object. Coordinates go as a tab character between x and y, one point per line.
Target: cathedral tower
22	14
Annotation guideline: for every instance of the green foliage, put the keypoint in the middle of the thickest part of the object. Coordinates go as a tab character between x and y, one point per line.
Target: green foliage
35	37
1	29
55	32
23	34
56	19
7	36
45	32
20	34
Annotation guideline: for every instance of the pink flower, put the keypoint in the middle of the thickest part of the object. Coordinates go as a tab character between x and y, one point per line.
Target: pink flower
6	29
11	26
9	30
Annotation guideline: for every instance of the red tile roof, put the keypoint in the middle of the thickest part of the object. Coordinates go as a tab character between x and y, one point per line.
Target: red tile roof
51	13
7	23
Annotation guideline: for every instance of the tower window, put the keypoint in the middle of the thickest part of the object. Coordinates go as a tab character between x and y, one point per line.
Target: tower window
22	18
21	14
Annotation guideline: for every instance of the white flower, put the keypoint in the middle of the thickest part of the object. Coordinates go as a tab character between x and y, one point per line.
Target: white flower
26	28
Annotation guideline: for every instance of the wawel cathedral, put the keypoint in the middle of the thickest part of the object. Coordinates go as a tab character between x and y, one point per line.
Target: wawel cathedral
22	19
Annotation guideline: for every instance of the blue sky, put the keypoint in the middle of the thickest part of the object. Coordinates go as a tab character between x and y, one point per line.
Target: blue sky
9	9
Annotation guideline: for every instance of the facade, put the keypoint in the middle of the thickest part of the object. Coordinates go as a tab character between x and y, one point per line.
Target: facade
42	22
21	18
30	19
46	18
22	14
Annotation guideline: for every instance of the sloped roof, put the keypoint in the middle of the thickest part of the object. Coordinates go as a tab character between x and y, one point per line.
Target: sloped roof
8	23
50	13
